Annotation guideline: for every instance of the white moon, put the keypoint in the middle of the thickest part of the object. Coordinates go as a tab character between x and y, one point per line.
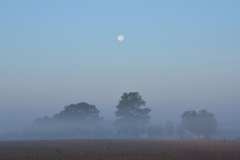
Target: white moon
120	38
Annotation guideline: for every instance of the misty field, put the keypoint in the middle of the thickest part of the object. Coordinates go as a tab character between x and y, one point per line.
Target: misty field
119	149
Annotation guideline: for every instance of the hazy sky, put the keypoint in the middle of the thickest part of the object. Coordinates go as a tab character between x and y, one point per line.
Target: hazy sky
179	55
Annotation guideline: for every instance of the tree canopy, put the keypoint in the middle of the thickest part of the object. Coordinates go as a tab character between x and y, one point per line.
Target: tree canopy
75	119
201	123
83	112
133	116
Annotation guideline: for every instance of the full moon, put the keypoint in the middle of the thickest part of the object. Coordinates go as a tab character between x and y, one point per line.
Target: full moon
120	38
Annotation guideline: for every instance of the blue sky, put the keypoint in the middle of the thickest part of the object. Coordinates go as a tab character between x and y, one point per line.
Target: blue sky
179	55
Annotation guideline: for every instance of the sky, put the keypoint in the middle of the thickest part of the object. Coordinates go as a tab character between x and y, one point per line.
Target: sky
179	55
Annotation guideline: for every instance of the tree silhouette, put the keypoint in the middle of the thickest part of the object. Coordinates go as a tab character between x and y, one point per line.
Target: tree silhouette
133	117
80	118
202	123
82	112
76	119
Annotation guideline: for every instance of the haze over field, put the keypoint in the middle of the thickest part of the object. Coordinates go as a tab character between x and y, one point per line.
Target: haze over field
178	55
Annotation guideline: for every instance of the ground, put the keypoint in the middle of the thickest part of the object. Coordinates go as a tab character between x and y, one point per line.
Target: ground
120	149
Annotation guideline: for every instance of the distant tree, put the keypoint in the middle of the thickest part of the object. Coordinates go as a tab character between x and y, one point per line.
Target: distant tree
133	116
42	121
40	127
80	118
202	123
169	128
155	131
81	112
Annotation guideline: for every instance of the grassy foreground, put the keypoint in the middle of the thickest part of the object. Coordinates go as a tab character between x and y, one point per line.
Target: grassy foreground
119	149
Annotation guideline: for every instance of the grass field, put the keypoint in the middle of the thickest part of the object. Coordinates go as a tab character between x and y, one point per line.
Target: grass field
119	149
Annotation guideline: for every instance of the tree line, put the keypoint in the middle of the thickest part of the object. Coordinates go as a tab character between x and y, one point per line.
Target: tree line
82	120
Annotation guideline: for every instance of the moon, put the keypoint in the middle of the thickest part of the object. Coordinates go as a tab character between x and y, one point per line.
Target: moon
120	38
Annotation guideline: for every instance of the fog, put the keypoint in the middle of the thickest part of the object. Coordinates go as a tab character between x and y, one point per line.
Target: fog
178	56
39	123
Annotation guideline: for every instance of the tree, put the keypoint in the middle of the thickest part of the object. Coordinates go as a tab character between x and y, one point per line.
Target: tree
82	112
169	128
40	127
81	119
202	123
133	117
78	118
